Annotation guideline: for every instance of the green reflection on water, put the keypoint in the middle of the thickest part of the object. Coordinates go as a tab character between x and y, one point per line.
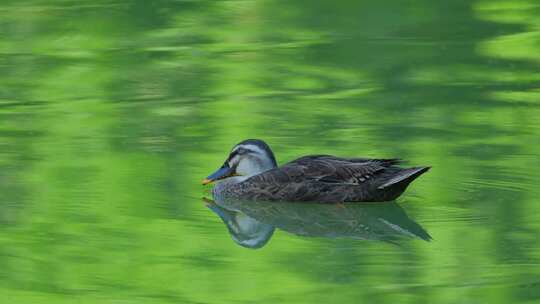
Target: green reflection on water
112	111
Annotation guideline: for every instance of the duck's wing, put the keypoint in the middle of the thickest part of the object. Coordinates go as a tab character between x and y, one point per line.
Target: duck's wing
332	169
315	178
326	178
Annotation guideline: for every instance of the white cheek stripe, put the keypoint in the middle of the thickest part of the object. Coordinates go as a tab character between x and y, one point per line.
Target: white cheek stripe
252	148
234	160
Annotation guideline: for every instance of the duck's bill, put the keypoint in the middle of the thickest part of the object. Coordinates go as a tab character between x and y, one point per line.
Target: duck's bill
222	172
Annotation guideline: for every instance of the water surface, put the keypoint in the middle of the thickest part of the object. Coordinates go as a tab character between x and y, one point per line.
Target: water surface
111	112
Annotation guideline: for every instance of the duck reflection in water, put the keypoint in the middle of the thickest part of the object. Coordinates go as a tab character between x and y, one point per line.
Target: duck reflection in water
252	224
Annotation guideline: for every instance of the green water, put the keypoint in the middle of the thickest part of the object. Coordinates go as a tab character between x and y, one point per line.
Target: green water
111	112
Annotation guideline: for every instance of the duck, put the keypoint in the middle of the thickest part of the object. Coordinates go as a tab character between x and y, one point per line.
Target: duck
251	173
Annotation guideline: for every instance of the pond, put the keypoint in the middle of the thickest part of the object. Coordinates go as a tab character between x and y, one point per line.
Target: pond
112	112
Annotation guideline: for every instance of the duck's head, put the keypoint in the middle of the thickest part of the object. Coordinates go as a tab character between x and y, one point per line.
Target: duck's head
250	157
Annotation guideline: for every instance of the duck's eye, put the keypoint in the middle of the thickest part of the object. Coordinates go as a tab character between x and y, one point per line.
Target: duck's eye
241	151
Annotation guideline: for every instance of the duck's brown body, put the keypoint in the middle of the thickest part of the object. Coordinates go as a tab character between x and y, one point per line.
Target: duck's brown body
325	178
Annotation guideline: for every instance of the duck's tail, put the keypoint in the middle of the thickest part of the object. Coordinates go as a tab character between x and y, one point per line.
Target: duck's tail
403	178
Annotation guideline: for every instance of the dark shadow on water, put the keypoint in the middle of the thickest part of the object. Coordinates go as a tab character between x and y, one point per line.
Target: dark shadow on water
252	224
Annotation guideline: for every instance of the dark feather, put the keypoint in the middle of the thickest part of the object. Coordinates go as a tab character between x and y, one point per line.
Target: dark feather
327	178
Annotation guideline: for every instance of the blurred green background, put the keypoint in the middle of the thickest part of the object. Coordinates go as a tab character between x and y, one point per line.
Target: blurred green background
111	112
